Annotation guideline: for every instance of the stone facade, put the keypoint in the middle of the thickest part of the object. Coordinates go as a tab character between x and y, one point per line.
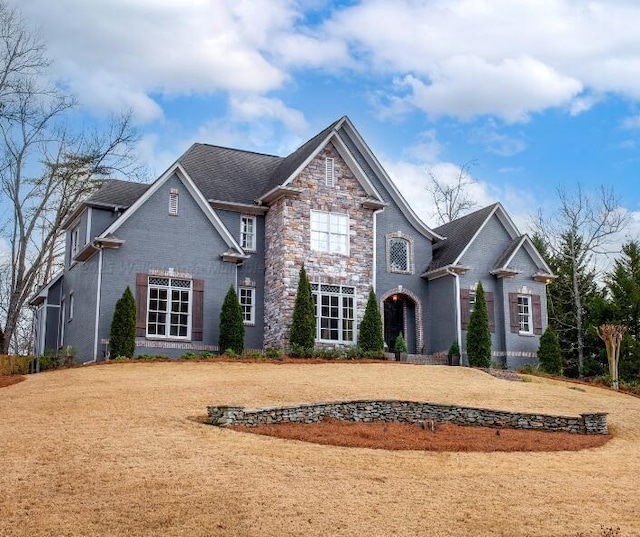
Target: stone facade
407	411
288	243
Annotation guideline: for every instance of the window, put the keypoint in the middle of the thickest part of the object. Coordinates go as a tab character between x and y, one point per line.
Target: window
248	232
472	300
71	306
75	241
329	177
169	311
247	304
335	312
173	202
399	255
330	232
524	314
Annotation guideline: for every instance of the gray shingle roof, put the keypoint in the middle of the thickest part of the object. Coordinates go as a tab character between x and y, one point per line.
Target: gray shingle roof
117	193
291	163
508	252
229	174
458	234
222	173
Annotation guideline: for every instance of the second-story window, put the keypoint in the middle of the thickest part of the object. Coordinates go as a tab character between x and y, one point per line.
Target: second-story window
399	253
248	232
330	232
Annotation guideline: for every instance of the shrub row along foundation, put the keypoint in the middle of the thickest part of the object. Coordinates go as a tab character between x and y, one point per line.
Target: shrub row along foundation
406	411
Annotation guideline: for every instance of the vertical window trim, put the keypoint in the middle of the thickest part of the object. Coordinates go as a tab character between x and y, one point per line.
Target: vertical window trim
244	234
75	241
63	313
252	305
330	172
174	197
71	307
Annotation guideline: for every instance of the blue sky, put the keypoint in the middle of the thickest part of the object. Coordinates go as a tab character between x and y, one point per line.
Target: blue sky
540	95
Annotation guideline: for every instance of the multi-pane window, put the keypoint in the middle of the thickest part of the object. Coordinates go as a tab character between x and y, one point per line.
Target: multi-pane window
329	177
335	312
330	232
248	232
247	296
173	202
169	311
524	314
399	255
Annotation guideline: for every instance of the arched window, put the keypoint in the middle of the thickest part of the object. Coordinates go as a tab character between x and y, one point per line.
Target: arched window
399	254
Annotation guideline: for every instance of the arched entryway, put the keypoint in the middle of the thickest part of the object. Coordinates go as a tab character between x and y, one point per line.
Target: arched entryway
402	312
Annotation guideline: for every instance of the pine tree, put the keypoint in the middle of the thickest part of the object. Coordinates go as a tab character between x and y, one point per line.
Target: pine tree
623	284
549	353
478	333
370	338
122	336
303	324
231	324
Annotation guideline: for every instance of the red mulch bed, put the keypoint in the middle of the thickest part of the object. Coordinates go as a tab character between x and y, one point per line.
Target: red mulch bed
412	436
8	380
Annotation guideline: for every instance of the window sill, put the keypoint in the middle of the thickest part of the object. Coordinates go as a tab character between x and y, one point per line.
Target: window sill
160	338
249	323
393	271
526	334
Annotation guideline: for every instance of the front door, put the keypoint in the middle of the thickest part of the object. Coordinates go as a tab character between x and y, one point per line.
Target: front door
393	320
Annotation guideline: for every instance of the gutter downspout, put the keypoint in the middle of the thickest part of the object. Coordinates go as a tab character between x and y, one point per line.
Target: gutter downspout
457	308
98	297
374	278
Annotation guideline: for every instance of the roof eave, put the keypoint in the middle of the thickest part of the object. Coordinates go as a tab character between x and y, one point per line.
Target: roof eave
278	192
544	277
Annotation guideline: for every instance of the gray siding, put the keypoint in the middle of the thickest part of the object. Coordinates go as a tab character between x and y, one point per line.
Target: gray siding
154	240
81	280
101	219
441	314
481	257
253	269
520	347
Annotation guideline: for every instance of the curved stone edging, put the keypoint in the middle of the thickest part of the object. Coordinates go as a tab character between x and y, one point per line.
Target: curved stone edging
406	411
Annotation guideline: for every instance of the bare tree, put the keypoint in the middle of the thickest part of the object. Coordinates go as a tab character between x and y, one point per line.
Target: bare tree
46	168
452	199
583	228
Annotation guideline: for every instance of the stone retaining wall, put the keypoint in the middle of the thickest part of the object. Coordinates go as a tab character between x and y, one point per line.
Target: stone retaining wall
406	411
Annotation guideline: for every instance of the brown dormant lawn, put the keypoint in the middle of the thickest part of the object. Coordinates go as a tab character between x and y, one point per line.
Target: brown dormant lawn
119	450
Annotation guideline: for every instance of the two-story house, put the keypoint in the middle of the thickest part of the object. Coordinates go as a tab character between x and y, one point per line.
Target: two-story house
219	217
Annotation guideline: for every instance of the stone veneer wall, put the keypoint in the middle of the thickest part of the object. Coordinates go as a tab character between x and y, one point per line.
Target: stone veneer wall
288	243
407	411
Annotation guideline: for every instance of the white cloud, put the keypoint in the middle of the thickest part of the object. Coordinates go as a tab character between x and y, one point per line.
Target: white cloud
494	141
631	122
427	149
510	58
468	86
117	52
255	108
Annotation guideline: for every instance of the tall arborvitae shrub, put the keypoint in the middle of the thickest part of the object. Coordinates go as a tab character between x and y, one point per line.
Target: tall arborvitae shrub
549	353
122	337
478	333
231	324
303	324
370	338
